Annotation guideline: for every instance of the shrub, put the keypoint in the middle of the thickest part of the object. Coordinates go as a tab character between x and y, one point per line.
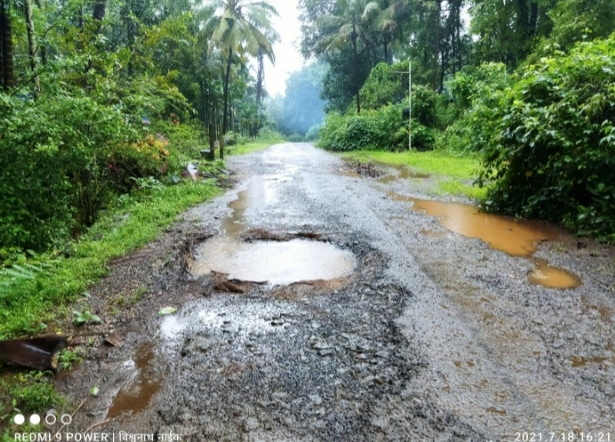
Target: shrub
64	157
551	150
385	128
313	132
295	138
476	94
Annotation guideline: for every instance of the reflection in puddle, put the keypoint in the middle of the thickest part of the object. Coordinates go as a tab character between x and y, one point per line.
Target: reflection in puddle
513	236
274	262
552	277
282	262
259	193
135	396
402	173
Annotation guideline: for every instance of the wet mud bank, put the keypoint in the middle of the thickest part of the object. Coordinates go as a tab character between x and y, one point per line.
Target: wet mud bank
409	331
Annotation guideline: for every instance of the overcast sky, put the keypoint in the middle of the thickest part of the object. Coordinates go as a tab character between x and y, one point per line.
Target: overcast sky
287	55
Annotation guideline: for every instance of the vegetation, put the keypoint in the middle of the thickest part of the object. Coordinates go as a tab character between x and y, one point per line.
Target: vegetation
453	175
527	86
28	304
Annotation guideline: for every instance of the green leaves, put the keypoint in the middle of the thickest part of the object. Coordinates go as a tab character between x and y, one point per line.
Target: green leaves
549	143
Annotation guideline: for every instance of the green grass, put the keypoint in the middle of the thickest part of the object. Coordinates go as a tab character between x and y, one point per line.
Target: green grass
432	162
27	305
253	146
453	174
26	393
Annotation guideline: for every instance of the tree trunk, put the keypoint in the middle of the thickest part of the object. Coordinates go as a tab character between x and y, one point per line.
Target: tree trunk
260	78
8	72
99	14
227	79
356	65
436	54
31	44
42	49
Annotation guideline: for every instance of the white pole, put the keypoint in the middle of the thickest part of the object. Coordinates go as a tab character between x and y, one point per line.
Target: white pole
410	95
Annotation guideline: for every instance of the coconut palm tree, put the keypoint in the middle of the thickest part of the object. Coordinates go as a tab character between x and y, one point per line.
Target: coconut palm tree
236	27
348	27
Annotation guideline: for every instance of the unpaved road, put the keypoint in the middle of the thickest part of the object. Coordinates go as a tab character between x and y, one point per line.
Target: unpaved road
432	336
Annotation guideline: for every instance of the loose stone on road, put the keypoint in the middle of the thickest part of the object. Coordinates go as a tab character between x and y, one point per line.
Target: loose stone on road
402	329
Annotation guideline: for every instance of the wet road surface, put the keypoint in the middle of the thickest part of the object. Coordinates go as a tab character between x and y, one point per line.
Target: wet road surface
399	324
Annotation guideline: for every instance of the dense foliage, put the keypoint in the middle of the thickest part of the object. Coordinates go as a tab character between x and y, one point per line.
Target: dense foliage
526	84
99	99
551	148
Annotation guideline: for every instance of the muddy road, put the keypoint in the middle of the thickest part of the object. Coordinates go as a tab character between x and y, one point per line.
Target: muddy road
317	304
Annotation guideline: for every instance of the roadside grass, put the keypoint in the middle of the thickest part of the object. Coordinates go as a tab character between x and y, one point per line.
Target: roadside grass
250	147
28	304
454	174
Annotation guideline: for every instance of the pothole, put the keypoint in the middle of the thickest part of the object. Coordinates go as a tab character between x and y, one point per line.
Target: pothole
277	262
137	393
512	236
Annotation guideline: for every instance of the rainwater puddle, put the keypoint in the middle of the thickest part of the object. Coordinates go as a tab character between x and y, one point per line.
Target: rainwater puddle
135	396
552	277
275	262
272	261
512	236
402	173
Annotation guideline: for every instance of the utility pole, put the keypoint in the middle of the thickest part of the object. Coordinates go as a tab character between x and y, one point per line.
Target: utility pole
410	92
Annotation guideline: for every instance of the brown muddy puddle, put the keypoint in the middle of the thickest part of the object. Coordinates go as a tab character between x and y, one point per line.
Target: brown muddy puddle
402	173
552	277
137	393
512	236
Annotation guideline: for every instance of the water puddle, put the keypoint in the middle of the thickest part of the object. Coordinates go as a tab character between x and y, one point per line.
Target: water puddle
512	236
136	394
402	173
259	194
552	277
275	262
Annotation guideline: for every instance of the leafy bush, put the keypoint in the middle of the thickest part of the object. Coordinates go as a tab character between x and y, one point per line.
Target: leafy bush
313	132
550	147
295	138
68	153
476	94
385	128
268	134
385	85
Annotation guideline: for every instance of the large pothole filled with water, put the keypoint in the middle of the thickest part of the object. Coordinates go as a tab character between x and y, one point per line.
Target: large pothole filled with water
273	262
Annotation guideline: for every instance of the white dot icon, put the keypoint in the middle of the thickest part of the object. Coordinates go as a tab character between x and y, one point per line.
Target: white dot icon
35	419
19	419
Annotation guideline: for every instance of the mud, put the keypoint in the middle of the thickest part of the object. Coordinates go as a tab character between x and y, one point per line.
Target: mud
434	335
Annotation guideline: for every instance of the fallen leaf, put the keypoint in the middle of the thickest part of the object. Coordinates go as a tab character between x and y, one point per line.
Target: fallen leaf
167	311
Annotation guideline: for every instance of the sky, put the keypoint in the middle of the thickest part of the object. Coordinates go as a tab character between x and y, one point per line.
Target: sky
288	57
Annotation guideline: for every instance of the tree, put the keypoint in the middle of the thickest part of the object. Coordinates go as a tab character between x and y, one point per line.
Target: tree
6	43
31	44
577	20
235	27
347	27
